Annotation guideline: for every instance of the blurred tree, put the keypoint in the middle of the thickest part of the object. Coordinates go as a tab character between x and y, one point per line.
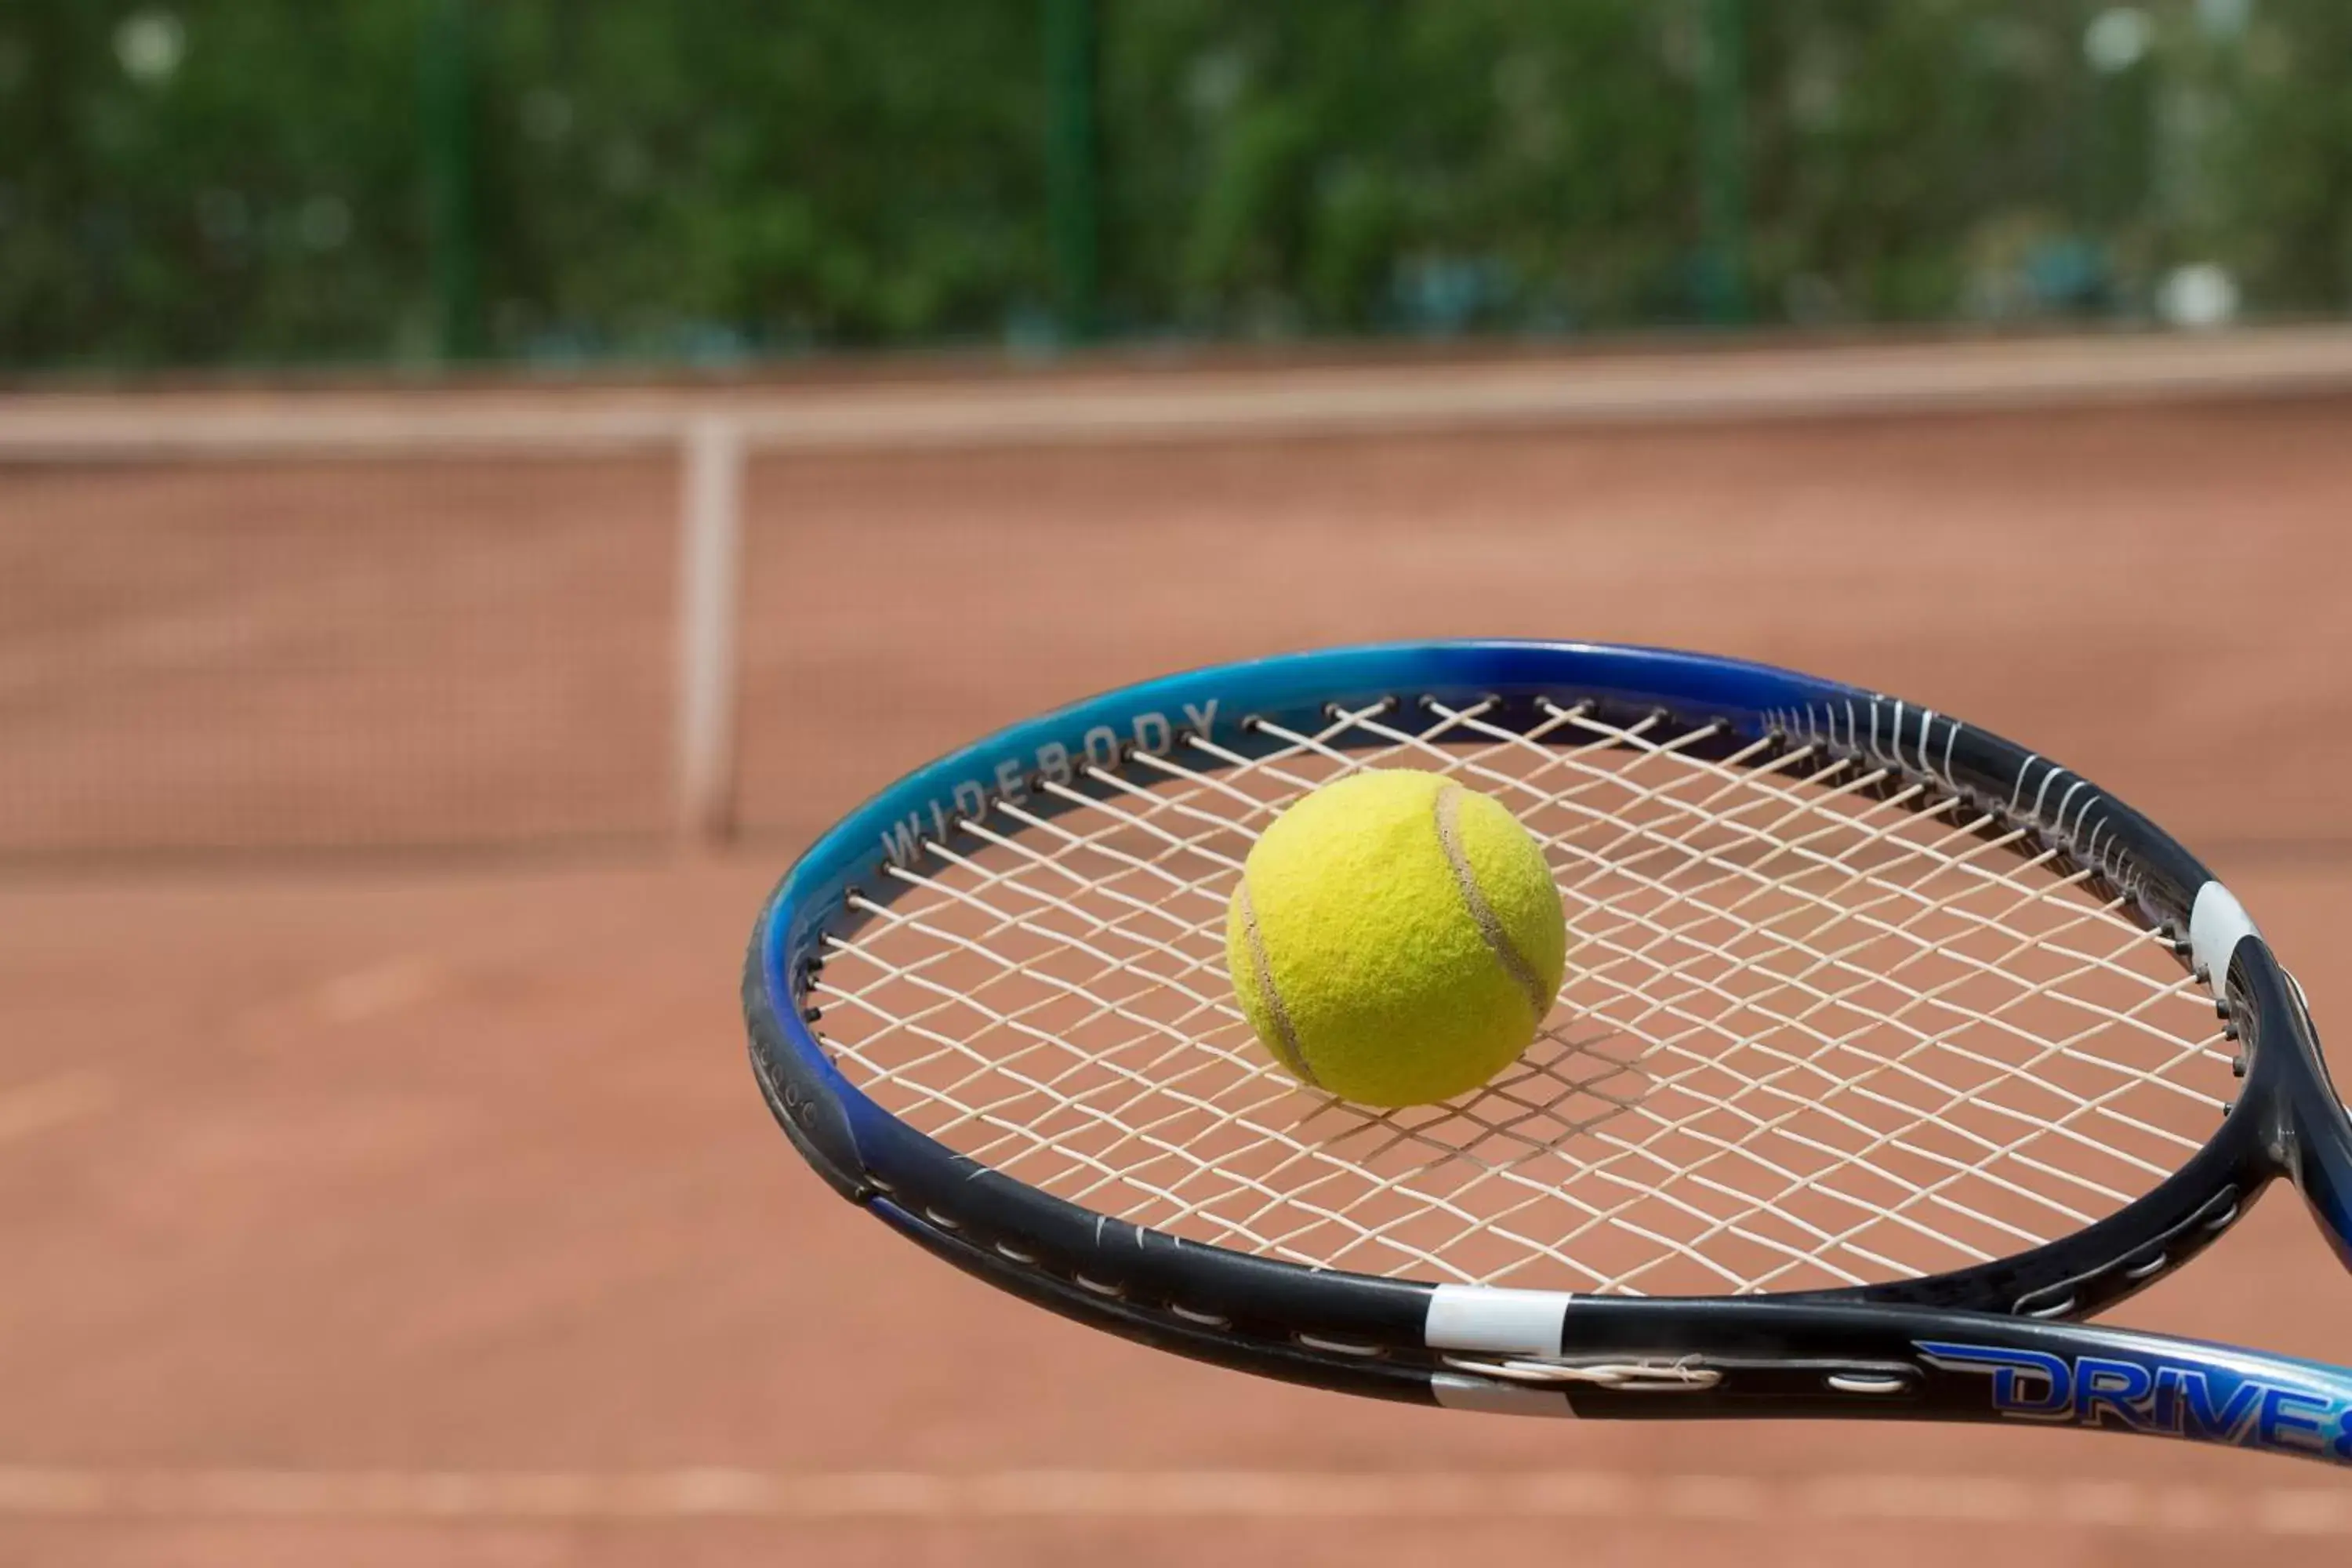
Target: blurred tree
669	180
2287	153
215	181
232	179
1337	164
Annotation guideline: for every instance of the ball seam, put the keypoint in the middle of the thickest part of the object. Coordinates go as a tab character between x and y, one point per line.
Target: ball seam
1448	809
1285	1045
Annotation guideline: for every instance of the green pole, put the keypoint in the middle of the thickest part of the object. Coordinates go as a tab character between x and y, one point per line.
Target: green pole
1073	162
1723	163
448	137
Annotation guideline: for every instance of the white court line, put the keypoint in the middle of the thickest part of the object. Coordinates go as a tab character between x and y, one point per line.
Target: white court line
1090	406
886	1496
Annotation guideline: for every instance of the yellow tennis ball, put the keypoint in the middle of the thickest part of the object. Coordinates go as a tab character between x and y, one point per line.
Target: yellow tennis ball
1395	938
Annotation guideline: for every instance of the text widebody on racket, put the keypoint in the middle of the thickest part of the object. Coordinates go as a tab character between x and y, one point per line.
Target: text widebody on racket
1890	1053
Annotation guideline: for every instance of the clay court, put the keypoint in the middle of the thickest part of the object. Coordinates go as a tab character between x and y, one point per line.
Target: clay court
380	1177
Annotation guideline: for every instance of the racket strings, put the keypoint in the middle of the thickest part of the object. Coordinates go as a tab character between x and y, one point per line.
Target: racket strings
1825	1023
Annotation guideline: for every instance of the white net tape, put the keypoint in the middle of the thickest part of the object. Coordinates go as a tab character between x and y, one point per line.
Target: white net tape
1813	1033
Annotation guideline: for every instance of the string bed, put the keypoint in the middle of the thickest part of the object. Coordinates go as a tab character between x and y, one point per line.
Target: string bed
1825	1024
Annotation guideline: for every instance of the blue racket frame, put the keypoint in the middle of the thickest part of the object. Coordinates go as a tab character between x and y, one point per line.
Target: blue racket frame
1996	1342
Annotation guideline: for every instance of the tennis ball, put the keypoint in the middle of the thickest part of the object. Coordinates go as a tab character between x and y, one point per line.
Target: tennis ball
1395	938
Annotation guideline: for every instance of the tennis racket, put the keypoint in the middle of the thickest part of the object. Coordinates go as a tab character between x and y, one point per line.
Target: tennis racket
1890	1052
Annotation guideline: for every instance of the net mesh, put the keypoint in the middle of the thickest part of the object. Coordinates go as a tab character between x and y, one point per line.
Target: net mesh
252	654
1825	1024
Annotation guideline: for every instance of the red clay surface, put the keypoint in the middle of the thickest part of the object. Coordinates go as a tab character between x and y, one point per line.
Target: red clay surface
339	1201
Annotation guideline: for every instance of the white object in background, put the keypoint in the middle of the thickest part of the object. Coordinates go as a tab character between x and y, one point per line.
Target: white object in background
2224	19
150	45
2117	39
2200	295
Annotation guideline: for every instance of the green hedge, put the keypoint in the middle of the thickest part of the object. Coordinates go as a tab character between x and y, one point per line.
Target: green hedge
220	181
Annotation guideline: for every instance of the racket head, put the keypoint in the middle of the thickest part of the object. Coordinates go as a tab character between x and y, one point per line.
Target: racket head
1418	1331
